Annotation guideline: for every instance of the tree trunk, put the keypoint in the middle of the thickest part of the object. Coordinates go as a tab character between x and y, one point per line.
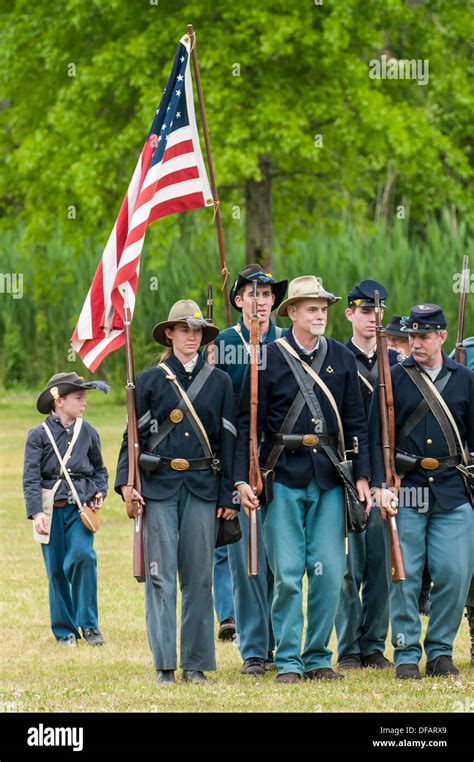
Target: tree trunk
258	217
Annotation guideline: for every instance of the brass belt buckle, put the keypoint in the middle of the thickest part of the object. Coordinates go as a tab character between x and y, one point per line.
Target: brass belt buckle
429	463
310	439
180	464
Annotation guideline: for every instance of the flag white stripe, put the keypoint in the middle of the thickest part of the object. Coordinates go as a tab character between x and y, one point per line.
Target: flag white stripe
184	188
161	170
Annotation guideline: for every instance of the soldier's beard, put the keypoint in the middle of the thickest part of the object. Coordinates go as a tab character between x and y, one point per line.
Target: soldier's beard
317	330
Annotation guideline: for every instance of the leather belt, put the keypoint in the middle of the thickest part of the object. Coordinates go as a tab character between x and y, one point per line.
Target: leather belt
72	474
182	464
292	441
60	503
431	464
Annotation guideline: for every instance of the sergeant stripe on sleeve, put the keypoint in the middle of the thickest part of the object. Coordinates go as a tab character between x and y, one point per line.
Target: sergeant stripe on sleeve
146	417
229	426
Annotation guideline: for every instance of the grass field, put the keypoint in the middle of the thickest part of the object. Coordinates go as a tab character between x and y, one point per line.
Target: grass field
40	676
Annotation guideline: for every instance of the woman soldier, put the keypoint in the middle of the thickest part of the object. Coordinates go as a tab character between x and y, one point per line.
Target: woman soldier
187	435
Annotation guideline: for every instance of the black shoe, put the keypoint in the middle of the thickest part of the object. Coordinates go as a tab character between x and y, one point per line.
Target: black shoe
227	629
408	672
324	673
376	660
194	676
442	666
288	677
253	666
424	603
92	636
350	661
69	640
165	676
269	663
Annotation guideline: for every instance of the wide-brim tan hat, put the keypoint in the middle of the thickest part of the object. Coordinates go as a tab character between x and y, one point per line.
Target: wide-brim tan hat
306	287
185	311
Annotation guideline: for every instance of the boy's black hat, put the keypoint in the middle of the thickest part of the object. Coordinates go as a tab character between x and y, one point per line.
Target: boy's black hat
64	383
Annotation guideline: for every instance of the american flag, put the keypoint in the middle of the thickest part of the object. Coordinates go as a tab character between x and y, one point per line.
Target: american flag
170	177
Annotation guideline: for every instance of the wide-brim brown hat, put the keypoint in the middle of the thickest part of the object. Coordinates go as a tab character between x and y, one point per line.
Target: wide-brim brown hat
64	383
185	311
306	287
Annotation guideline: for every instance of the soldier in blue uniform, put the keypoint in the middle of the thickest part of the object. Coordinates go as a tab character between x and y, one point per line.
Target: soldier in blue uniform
435	506
396	338
252	595
303	522
363	614
67	546
187	483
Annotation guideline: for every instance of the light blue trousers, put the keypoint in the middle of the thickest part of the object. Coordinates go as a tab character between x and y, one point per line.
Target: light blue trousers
252	595
303	531
445	538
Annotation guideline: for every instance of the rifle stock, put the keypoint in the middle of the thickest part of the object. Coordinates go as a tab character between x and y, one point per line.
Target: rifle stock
460	352
387	431
134	478
255	478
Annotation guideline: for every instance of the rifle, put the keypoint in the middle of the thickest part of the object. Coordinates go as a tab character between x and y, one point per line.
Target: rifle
255	478
460	352
387	431
134	478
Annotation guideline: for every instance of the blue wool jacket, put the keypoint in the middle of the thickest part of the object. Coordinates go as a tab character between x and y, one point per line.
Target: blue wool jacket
232	354
369	364
447	487
277	388
41	466
155	399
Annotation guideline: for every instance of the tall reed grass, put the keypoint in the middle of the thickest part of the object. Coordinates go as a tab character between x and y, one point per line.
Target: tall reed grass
179	259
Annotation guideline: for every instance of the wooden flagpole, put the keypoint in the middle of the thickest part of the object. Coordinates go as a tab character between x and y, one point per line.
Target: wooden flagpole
217	211
134	477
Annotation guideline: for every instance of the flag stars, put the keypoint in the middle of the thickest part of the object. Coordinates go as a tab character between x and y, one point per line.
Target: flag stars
178	92
180	77
178	114
182	59
164	127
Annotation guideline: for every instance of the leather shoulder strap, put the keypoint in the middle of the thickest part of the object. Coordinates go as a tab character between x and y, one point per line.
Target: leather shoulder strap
448	414
193	392
421	410
295	409
238	331
426	387
200	431
67	455
316	378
